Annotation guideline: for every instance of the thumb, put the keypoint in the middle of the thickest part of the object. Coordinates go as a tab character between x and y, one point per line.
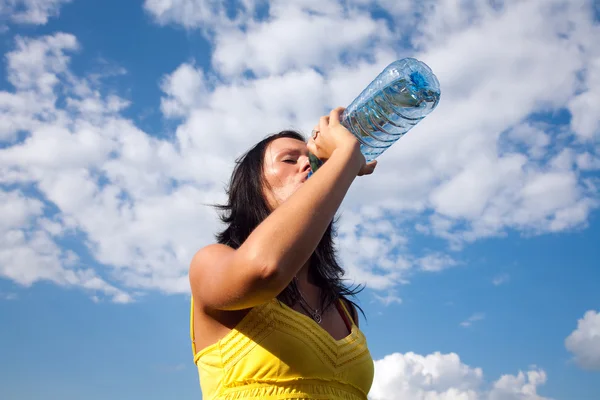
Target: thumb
368	168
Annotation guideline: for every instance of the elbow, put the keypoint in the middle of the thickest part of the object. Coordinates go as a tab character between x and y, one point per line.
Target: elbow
269	267
274	279
270	277
266	271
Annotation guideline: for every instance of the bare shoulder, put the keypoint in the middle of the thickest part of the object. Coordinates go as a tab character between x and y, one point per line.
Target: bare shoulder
204	269
208	255
223	278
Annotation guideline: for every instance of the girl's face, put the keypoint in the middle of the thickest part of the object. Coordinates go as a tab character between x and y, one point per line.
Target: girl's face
286	167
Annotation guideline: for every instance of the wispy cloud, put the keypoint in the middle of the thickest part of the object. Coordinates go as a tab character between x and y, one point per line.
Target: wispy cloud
436	262
36	12
473	318
388	299
501	279
8	296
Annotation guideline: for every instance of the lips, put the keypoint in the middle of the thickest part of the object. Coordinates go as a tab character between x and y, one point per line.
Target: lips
307	175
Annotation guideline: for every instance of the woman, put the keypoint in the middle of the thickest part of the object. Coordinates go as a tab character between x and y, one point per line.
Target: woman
269	316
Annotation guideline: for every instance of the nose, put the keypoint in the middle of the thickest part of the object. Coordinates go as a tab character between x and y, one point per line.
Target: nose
305	165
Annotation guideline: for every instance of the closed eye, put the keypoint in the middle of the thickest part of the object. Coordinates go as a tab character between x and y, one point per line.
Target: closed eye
289	161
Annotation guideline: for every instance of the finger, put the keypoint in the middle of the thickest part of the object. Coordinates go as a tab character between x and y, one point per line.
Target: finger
369	168
313	148
372	165
314	133
365	172
323	122
336	114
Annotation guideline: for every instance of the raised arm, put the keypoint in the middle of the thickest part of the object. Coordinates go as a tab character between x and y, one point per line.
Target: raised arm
227	279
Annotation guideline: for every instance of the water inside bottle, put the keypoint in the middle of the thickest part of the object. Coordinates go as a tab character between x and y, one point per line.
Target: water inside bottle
402	95
390	113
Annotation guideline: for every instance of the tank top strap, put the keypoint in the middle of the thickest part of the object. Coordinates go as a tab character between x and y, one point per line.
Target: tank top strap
349	320
192	337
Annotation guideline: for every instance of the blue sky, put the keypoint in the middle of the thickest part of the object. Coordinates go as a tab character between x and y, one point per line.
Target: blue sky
477	237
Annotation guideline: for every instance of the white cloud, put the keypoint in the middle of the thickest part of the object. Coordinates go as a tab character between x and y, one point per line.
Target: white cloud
584	107
457	162
36	64
107	180
293	38
588	162
202	14
28	252
584	342
520	387
376	251
435	376
185	89
35	68
388	299
35	12
445	377
473	318
436	262
114	183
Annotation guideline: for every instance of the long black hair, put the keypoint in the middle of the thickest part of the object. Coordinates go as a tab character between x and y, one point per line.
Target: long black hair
247	207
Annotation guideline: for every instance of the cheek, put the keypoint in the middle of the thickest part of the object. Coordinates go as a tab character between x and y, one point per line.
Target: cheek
282	182
275	186
284	190
272	182
277	176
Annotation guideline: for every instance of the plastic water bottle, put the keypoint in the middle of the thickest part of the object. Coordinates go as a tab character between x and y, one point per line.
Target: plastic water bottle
404	93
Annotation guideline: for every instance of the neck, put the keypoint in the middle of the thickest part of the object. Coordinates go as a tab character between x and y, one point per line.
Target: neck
302	274
306	285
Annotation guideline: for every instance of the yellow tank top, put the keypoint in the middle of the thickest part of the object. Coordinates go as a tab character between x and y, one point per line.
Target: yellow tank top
277	353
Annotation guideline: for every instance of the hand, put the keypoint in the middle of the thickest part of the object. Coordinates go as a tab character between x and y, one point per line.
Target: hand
330	136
